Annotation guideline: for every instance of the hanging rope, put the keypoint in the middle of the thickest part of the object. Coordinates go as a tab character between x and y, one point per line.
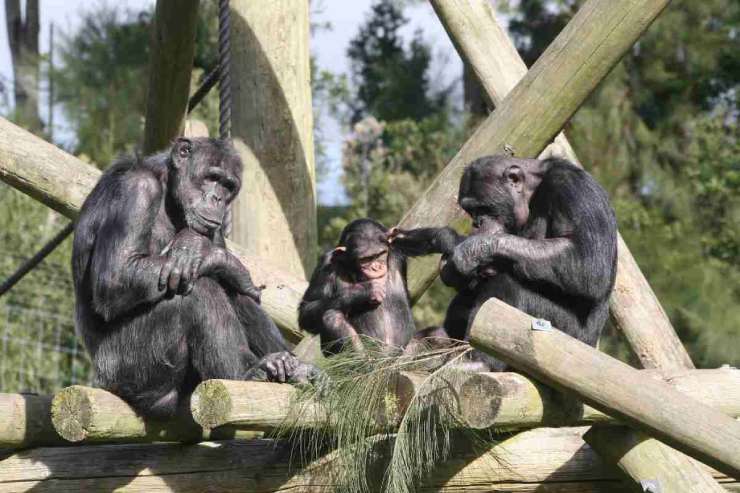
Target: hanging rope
224	65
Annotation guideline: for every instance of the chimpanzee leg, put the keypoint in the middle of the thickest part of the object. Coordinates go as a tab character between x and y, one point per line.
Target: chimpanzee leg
217	342
144	359
263	335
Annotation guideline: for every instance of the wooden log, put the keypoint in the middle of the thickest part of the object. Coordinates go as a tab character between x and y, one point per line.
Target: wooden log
25	421
530	116
272	128
61	181
251	405
485	47
542	460
609	385
172	46
85	414
511	400
673	471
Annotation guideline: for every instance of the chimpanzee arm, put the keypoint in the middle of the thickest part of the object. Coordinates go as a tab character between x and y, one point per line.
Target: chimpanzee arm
425	241
223	266
123	272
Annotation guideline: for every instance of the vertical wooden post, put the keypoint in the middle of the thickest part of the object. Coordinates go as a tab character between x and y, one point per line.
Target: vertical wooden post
171	61
275	214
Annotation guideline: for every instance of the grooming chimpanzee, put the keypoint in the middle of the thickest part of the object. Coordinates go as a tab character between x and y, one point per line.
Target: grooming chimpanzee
359	288
161	304
544	240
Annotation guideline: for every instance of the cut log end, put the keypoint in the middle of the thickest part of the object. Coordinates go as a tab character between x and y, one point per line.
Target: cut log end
479	399
71	413
211	404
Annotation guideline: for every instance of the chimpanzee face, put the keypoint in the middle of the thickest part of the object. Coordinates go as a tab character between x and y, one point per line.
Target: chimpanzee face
205	177
492	193
363	247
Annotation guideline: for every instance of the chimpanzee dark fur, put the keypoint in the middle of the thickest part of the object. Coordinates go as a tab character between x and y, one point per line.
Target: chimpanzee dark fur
160	303
345	300
544	241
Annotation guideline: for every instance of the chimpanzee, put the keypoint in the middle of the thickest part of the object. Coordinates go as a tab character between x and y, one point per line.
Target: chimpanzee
544	240
161	304
359	288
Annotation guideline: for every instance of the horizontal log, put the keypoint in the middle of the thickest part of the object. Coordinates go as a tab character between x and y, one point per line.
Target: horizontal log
61	181
254	405
85	414
512	400
541	460
25	421
486	400
609	385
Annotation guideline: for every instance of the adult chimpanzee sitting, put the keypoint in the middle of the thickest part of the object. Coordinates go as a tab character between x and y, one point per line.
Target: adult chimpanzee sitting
160	303
544	240
359	288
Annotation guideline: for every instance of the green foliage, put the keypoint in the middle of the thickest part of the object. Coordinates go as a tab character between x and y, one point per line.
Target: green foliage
391	80
102	82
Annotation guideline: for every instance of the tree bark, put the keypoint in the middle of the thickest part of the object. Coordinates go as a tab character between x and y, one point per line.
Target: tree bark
609	385
172	49
272	125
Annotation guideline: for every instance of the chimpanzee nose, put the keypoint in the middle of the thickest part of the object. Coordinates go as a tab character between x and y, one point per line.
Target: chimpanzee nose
212	197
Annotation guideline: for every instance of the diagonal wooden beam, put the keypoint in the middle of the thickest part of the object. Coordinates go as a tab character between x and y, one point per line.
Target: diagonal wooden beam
528	115
61	181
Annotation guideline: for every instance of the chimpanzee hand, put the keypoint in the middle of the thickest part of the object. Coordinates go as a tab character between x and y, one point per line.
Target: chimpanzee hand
376	291
222	265
474	252
277	367
185	254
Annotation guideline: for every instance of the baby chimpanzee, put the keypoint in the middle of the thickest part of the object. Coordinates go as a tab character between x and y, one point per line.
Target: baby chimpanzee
359	288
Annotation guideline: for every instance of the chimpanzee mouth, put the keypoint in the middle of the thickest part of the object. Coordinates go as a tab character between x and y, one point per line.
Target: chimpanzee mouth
206	222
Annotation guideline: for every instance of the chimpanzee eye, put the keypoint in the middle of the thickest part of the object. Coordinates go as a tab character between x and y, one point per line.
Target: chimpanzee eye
185	150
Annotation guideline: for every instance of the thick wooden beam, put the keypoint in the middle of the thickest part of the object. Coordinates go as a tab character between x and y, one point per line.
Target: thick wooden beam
250	405
94	415
672	470
488	50
272	128
542	460
512	400
485	400
172	46
89	415
609	385
61	181
25	421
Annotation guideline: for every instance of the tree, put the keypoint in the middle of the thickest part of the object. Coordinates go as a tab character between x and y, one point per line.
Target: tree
23	40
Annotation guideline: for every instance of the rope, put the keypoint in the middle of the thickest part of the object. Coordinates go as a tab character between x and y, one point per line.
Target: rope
224	65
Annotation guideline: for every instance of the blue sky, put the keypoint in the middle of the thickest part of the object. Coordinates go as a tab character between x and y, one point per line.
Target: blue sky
329	46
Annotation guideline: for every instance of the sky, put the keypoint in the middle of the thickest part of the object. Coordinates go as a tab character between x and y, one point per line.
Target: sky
328	45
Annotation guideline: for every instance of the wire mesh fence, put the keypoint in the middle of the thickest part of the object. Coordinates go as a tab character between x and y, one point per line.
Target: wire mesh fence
39	351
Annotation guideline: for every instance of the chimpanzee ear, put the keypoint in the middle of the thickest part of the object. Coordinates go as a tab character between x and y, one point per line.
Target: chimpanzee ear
338	252
514	176
181	151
